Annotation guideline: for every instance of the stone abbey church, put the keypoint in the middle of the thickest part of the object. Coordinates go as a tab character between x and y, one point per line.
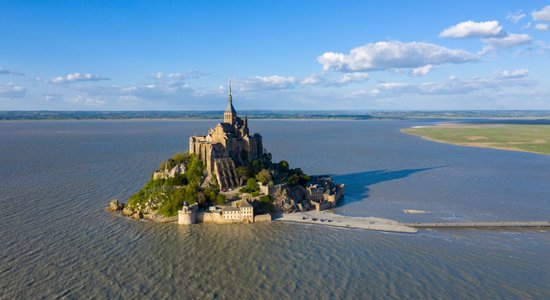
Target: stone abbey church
226	146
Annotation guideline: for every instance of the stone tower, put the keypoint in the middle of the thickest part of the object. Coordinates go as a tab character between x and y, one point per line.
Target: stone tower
230	115
187	214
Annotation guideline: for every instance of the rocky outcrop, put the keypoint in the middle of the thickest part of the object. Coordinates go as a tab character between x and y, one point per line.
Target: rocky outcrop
114	205
289	199
128	212
169	173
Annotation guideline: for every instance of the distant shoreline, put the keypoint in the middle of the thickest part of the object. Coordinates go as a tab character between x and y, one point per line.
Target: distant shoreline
277	119
451	134
543	115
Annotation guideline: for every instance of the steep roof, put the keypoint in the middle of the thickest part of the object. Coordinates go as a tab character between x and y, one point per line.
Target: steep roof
230	208
245	203
230	107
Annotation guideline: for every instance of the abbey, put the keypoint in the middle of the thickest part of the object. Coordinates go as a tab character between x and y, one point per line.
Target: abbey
206	184
227	146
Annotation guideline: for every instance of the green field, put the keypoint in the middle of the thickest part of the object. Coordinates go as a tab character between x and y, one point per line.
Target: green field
529	138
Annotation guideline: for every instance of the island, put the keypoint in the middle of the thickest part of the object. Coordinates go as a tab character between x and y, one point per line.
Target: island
226	177
517	137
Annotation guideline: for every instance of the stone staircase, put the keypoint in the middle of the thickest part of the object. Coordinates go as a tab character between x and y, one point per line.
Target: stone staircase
225	171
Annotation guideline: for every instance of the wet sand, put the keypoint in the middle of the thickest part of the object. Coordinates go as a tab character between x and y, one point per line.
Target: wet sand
330	219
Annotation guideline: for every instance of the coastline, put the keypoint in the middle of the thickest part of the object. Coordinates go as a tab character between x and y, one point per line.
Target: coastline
476	145
309	217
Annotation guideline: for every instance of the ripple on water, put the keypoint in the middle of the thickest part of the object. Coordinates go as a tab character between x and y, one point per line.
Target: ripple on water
57	241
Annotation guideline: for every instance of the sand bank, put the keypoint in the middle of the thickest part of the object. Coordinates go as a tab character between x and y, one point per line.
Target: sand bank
330	219
415	211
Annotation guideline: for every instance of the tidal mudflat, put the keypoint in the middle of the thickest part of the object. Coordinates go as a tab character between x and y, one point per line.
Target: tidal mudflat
529	138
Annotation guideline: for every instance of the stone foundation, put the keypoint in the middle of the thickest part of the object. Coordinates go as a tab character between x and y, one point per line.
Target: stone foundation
262	218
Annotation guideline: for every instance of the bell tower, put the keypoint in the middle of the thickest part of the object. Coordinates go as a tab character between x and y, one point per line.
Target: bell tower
230	115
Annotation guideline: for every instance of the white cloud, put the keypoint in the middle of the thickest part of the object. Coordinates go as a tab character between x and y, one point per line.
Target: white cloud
515	74
168	89
314	79
490	32
541	27
74	77
393	55
542	47
191	74
473	29
354	77
258	83
421	71
146	91
4	71
508	41
542	15
154	91
88	101
52	97
515	17
325	79
454	86
11	90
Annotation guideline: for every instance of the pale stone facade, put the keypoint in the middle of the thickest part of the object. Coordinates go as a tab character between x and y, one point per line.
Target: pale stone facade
240	212
187	214
324	194
227	146
272	190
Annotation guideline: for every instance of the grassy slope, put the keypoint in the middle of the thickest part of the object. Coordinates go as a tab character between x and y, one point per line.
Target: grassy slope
530	138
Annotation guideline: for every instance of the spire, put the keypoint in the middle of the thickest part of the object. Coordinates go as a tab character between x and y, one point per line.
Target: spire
230	115
230	107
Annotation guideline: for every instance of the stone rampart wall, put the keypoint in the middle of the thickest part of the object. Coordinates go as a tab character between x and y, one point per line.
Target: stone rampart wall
262	218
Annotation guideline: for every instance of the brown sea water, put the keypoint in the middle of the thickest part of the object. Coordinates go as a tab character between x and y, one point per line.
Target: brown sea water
57	241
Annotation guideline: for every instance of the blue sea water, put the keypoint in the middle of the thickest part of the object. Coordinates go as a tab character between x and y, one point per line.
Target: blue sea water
58	242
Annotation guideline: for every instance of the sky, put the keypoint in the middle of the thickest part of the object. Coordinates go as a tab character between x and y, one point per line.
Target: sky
278	55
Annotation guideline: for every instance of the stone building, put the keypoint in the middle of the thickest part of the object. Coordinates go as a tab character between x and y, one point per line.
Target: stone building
242	213
323	193
227	146
187	214
238	212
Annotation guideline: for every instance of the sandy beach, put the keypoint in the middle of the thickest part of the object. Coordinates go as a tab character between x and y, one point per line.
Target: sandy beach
330	219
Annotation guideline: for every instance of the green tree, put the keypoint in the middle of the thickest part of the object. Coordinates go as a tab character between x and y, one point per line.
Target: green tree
194	170
220	199
283	166
264	176
293	180
191	193
243	174
256	165
181	158
251	184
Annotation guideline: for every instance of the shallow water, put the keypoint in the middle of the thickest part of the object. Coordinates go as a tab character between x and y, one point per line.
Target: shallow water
56	178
